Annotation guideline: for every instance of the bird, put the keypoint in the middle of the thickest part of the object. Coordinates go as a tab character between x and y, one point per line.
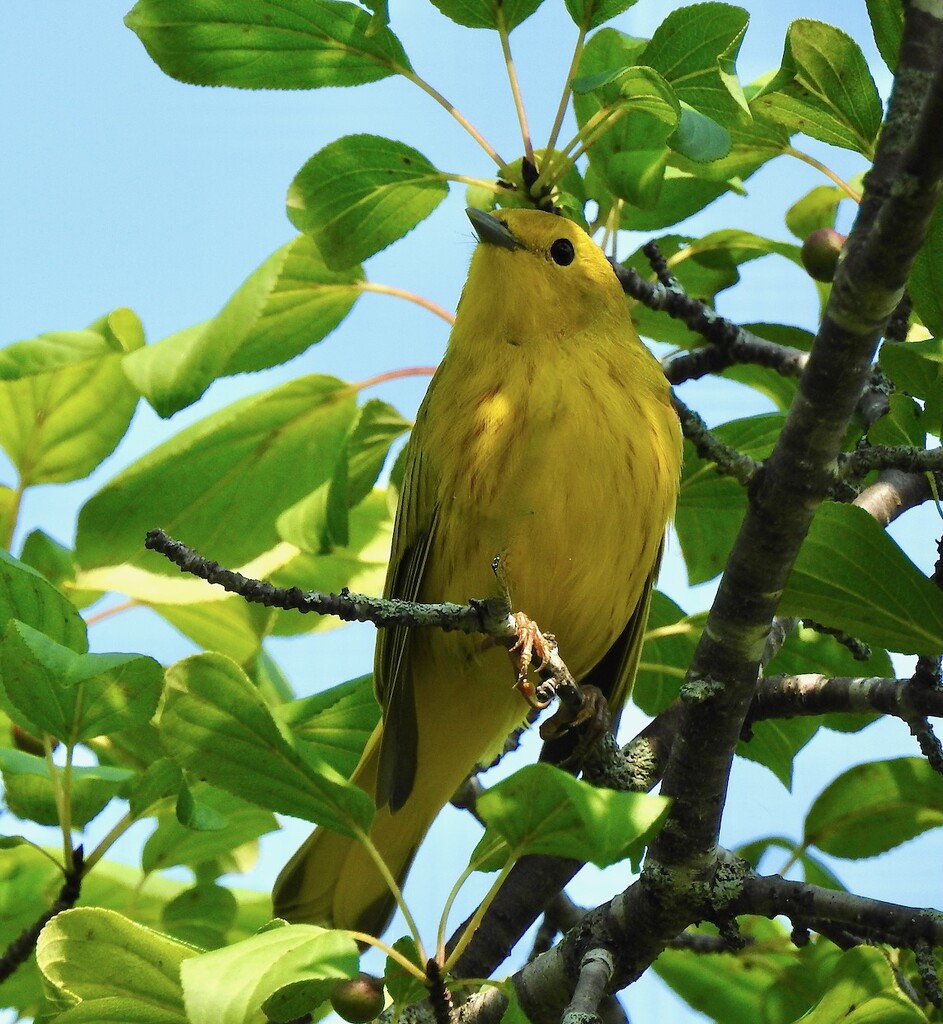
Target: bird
547	440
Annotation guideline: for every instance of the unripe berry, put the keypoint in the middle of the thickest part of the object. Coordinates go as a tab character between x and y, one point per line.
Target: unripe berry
820	252
359	1000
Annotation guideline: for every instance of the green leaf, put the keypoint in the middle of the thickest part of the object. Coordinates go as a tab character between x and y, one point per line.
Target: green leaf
925	286
264	44
231	847
776	742
486	13
91	953
57	426
117	332
902	424
682	194
160	780
887	24
699	137
816	209
670	639
119	1010
214	723
851	576
30	793
590	14
916	368
360	565
320	522
744	986
874	807
863	989
286	305
282	973
361	193
808	650
695	48
335	723
207	484
542	809
711	507
201	915
823	89
814	871
75	697
27	596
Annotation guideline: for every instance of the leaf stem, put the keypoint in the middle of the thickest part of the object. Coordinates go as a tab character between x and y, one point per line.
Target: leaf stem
472	926
807	158
393	954
567	91
115	609
464	179
401	293
374	854
406	371
515	85
7	540
61	791
114	834
462	120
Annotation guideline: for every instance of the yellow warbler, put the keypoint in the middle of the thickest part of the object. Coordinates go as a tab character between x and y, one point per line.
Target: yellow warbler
546	438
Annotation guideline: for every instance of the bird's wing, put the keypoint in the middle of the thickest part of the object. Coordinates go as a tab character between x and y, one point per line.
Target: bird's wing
614	673
413	535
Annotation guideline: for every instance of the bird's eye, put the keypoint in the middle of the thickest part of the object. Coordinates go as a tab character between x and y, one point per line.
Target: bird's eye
562	252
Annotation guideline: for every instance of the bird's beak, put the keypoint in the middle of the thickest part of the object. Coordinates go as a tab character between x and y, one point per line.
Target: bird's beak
489	229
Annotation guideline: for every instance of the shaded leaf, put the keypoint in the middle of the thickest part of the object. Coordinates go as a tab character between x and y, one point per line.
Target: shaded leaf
75	697
696	48
670	639
711	507
208	482
232	846
30	793
335	723
925	285
776	742
887	24
863	989
264	44
485	13
215	723
589	14
850	575
874	807
27	596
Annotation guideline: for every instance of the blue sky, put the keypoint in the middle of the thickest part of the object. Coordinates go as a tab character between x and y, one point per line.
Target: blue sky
121	187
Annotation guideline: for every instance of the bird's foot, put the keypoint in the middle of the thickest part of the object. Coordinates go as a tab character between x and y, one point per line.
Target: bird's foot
531	648
593	716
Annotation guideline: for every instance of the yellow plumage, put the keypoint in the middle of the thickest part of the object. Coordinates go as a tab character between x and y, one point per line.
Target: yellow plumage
547	438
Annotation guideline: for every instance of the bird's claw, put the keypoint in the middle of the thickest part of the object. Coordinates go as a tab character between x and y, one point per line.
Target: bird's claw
593	715
530	648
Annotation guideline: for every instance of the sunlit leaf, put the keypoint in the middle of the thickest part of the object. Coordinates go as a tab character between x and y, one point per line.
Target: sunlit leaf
360	193
286	971
264	44
541	809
